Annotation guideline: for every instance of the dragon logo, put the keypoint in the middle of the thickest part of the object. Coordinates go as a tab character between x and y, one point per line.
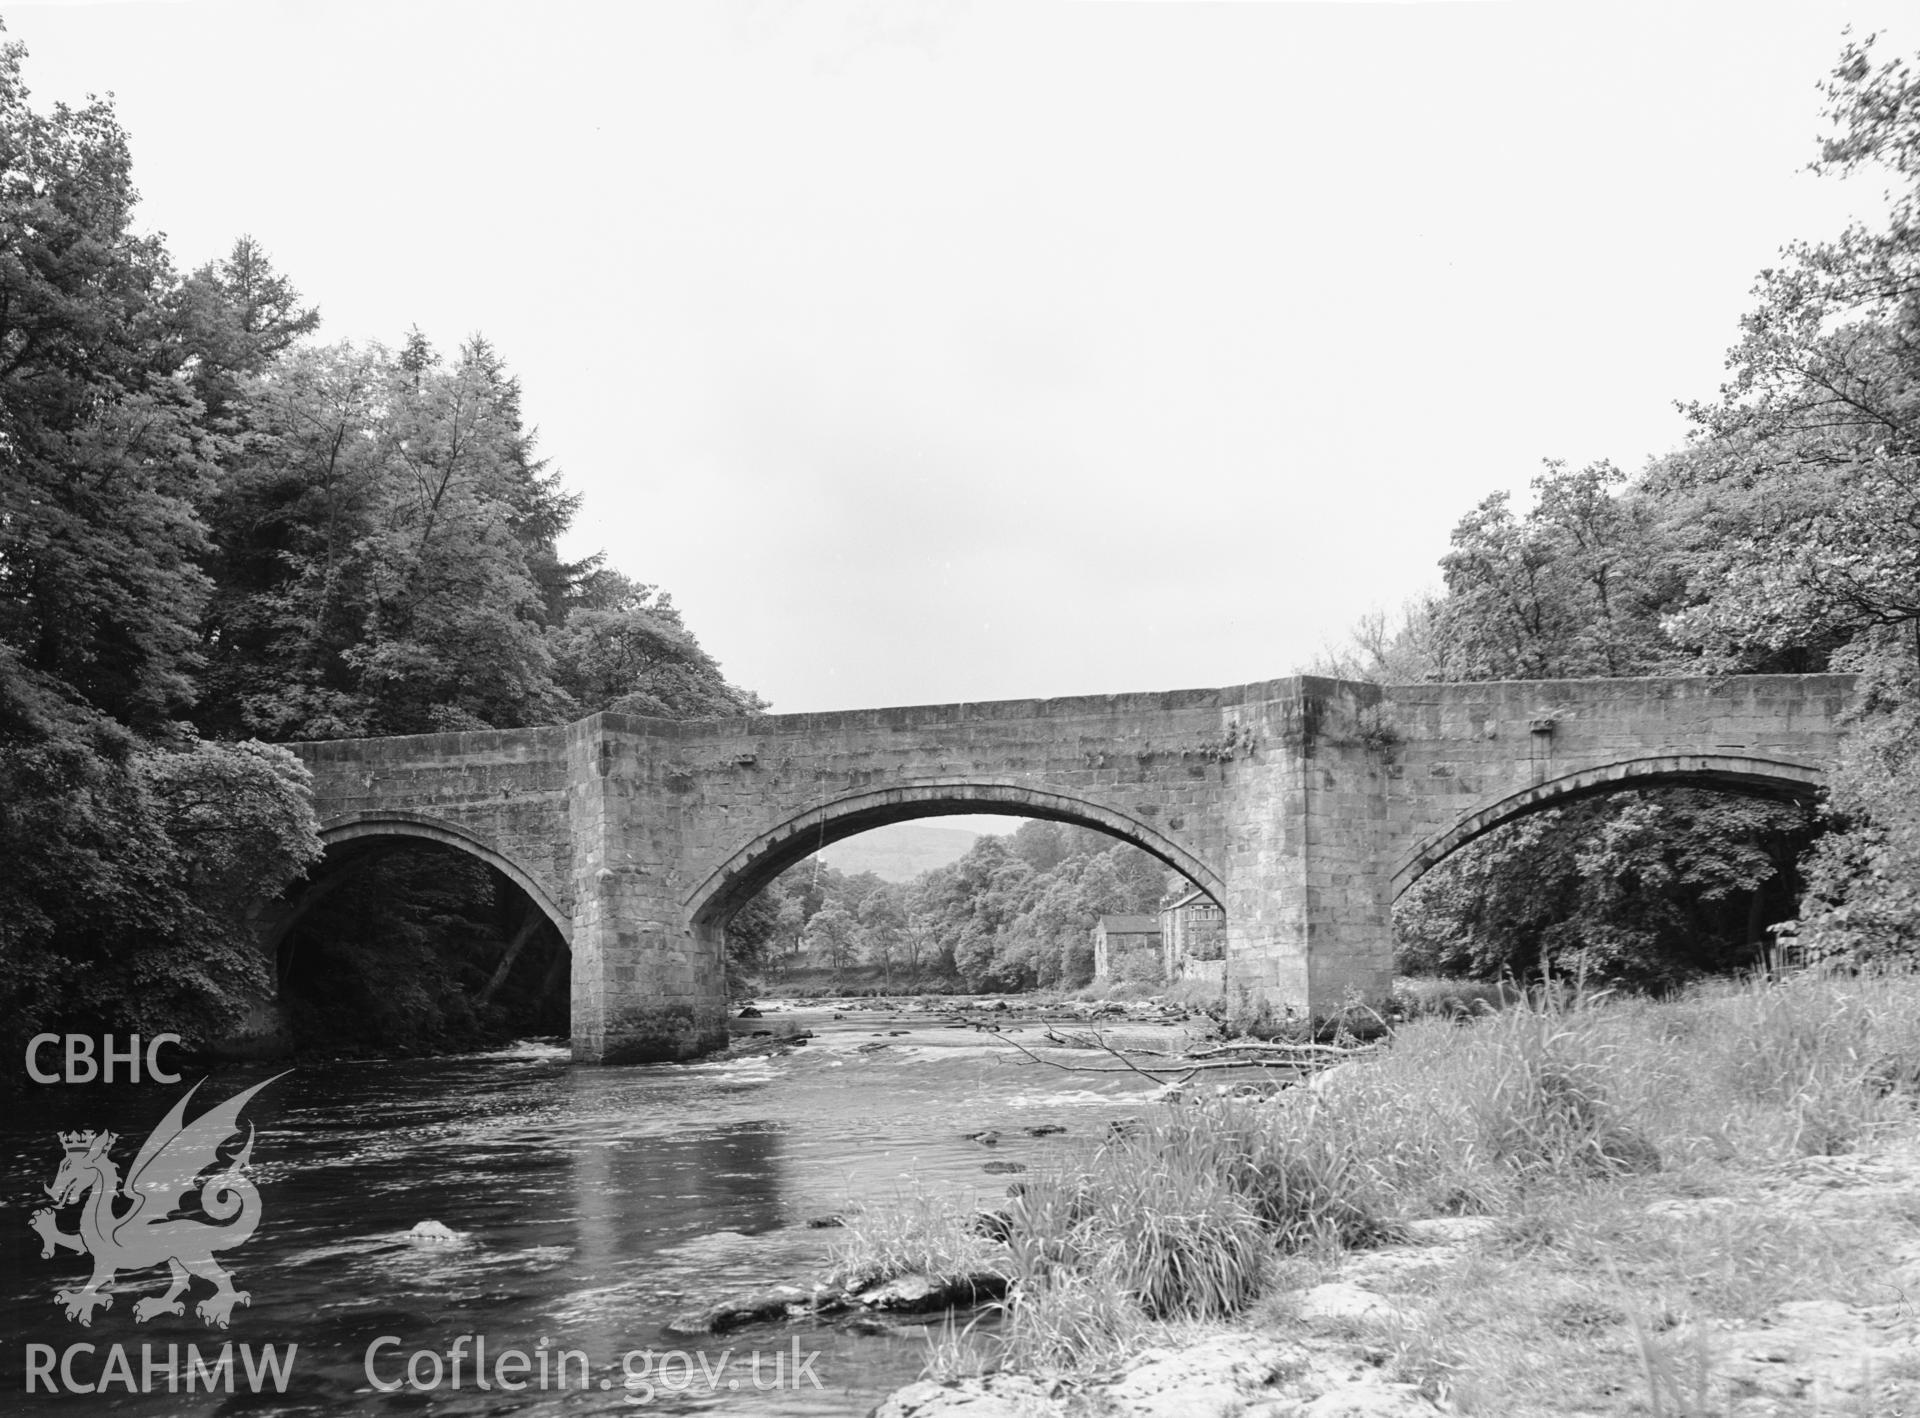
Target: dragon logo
167	1169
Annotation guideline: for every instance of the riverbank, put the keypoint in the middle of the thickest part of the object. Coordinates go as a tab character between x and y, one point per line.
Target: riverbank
1709	1204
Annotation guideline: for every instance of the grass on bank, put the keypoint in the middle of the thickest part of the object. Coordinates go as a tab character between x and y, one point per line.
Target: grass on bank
1564	1119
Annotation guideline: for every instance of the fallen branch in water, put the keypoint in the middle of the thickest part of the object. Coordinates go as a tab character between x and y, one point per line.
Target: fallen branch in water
1301	1052
1312	1051
1099	1043
1182	1071
1093	1040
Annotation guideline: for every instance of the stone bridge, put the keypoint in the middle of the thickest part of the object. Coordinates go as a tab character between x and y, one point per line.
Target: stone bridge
1303	805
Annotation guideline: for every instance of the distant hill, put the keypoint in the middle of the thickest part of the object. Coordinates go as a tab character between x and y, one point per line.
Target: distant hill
900	852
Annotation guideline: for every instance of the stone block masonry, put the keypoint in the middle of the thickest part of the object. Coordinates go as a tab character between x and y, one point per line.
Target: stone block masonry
1302	805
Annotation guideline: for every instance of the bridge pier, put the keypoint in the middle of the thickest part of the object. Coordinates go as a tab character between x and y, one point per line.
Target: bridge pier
646	988
644	994
1309	903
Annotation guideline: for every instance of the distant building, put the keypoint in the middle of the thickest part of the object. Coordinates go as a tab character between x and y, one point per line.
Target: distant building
1193	939
1126	950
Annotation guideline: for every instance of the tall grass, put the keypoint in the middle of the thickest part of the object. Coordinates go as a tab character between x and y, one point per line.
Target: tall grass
1185	1217
915	1233
1418	995
1462	1118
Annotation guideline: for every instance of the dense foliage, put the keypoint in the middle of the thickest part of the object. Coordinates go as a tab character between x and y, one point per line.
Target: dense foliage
1649	886
122	832
1780	539
216	534
422	948
1813	455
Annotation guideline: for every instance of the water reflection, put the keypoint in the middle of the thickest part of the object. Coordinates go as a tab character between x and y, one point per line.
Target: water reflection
588	1205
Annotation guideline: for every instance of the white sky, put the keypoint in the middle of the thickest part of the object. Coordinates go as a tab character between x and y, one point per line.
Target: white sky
931	353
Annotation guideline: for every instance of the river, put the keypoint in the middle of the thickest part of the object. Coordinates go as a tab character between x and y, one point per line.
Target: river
590	1205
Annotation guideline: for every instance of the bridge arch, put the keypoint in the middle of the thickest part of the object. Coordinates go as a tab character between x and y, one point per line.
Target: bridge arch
732	884
1734	773
398	823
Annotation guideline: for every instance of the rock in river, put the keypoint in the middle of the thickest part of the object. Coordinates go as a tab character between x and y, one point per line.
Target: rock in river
729	1314
915	1293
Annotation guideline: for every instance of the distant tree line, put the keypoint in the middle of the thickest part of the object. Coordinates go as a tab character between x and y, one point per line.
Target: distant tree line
1783	538
1014	913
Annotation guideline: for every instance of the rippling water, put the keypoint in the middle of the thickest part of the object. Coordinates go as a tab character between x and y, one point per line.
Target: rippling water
590	1204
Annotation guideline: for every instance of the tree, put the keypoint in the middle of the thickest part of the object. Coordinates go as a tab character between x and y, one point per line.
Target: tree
1576	587
122	902
385	555
1043	845
625	648
882	923
239	818
1804	479
1647	888
1862	902
1813	446
972	900
755	933
235	317
383	534
830	935
452	637
919	944
102	455
291	518
208	526
1383	647
131	879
